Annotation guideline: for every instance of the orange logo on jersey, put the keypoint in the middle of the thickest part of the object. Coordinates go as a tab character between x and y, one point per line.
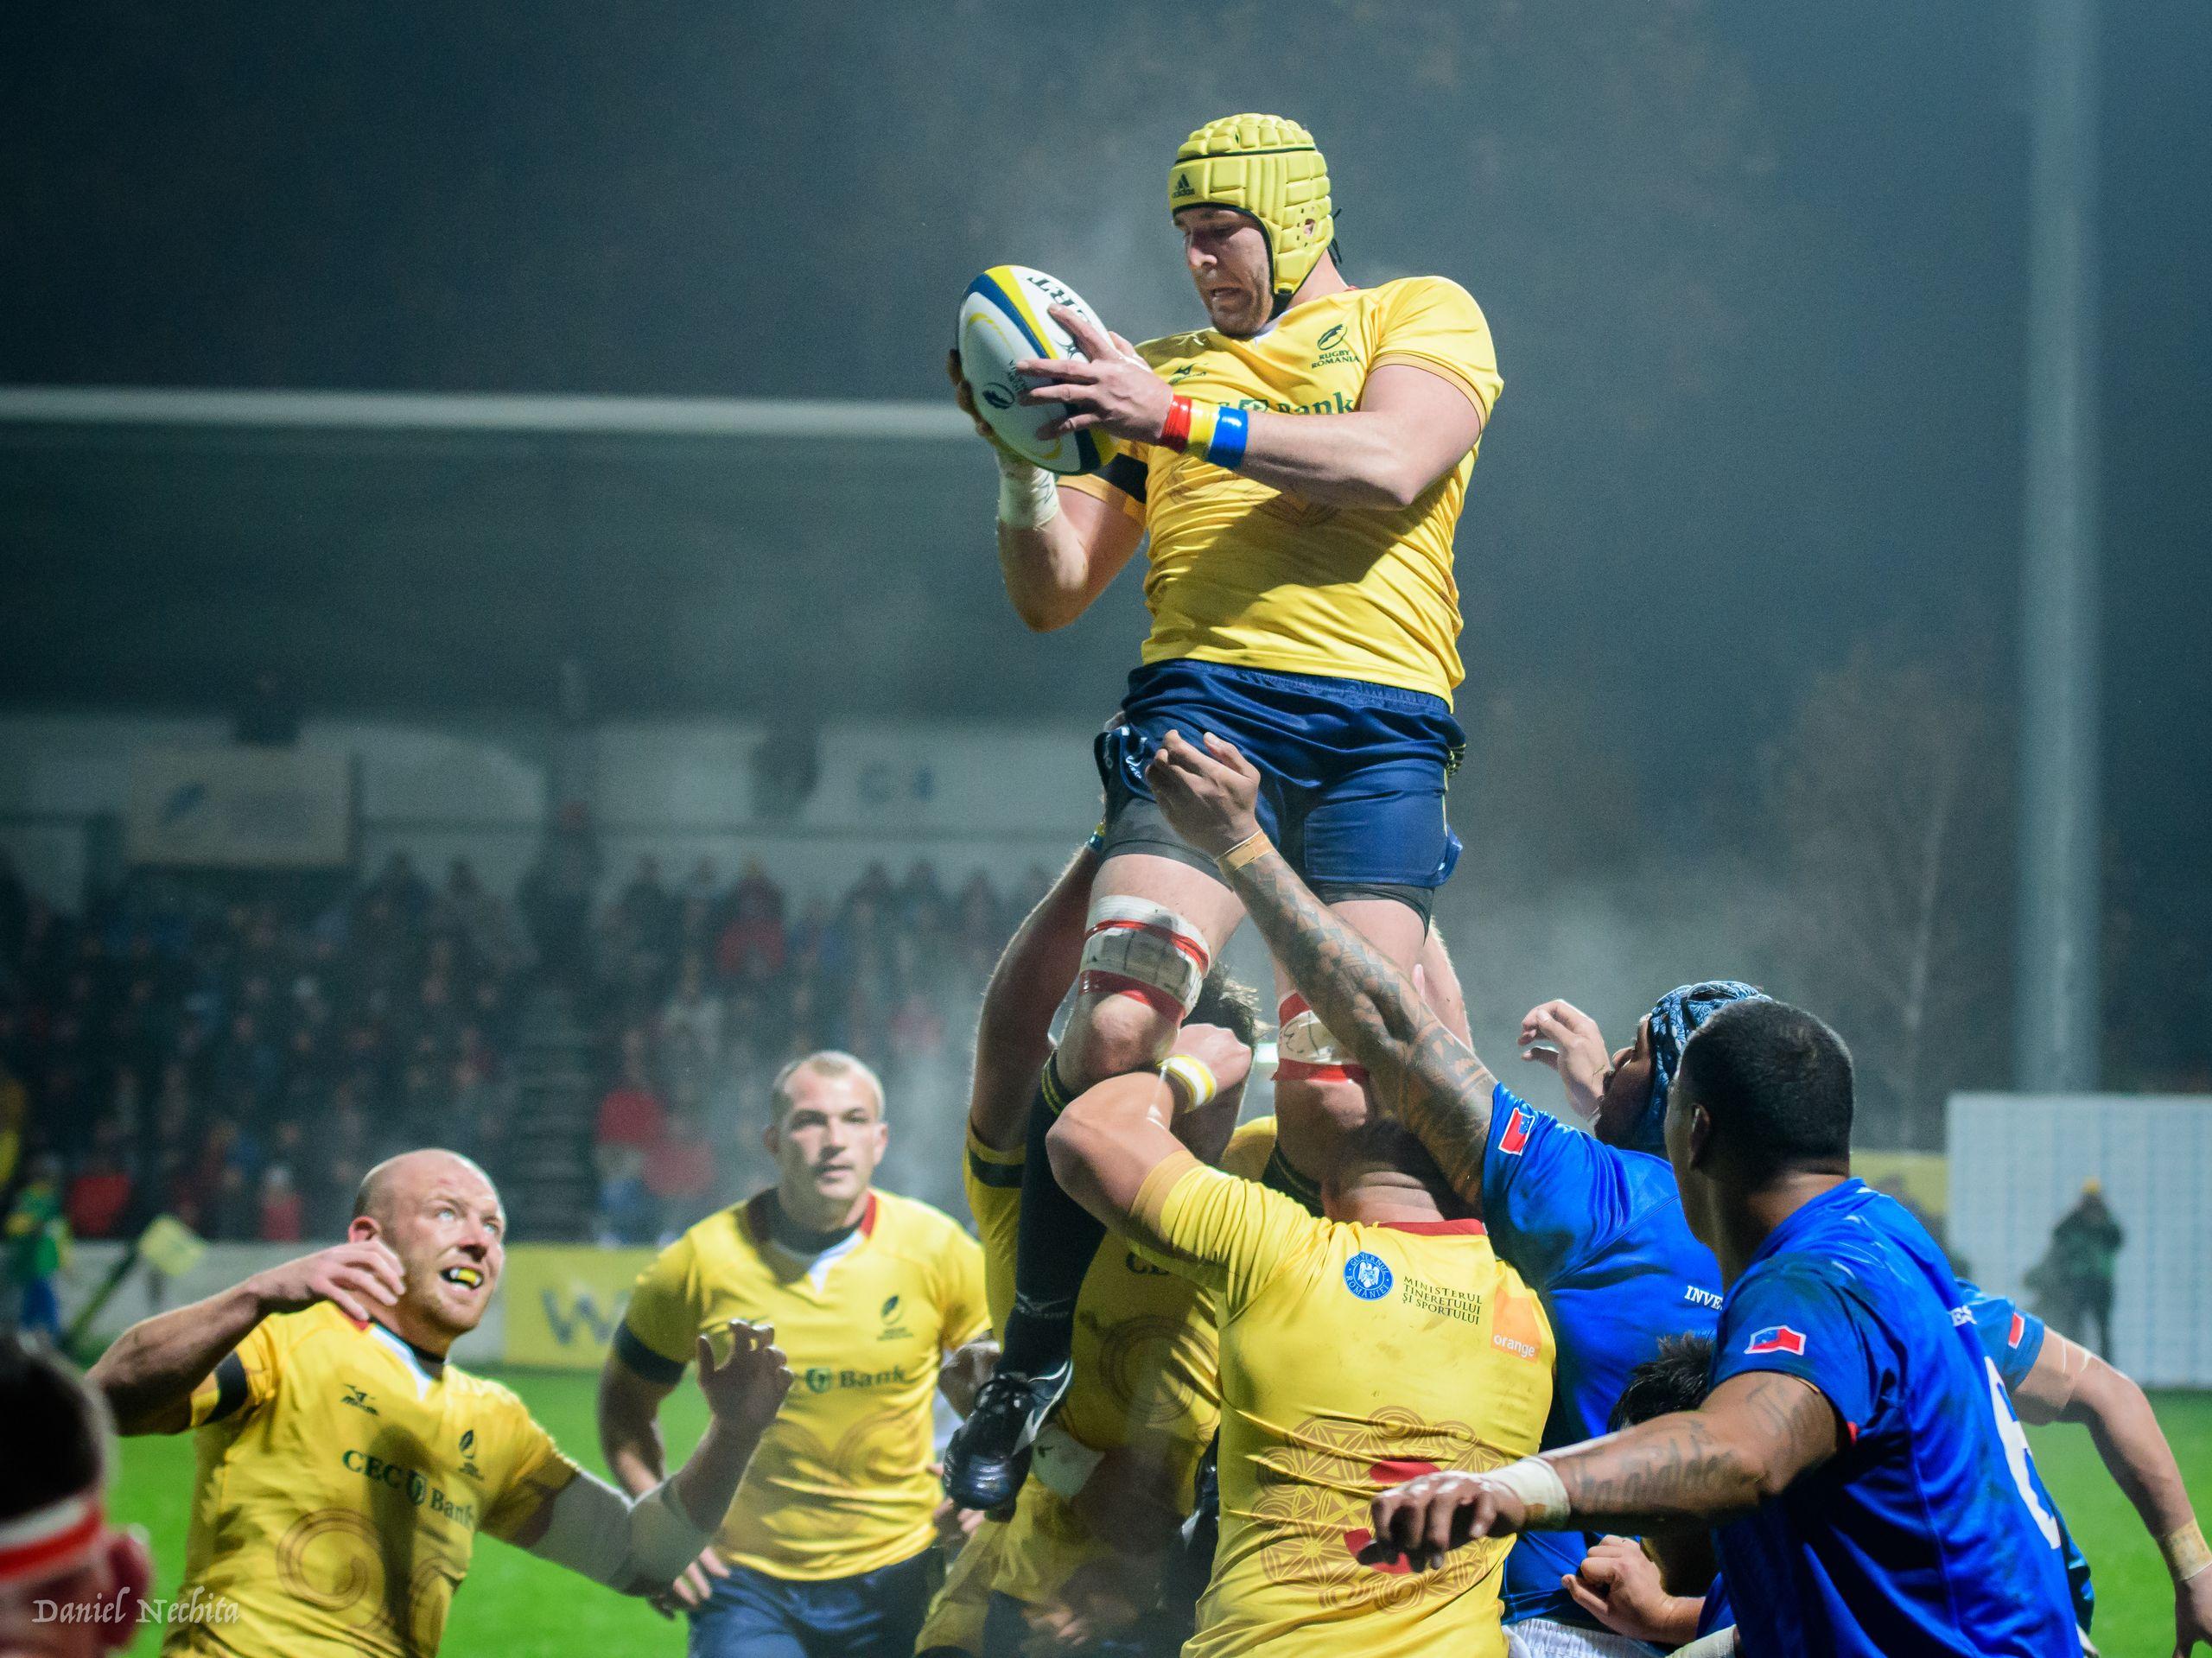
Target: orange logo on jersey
1515	1327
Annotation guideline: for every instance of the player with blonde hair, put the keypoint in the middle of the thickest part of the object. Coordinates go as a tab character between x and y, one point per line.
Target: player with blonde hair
829	1543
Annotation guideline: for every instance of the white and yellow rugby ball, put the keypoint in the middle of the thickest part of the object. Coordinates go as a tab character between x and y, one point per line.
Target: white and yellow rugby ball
1003	321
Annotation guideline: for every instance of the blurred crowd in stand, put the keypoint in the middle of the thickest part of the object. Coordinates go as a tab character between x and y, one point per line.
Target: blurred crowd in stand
707	990
237	1050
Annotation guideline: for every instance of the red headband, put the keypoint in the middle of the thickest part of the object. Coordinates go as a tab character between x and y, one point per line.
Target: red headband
48	1540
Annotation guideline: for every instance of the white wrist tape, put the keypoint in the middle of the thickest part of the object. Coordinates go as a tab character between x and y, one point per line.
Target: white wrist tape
1537	1484
1721	1643
1061	1461
1029	497
1199	1084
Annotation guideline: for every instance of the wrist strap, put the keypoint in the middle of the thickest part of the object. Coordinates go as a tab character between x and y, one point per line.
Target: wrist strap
1219	434
1538	1485
2186	1553
1254	845
1029	497
1199	1084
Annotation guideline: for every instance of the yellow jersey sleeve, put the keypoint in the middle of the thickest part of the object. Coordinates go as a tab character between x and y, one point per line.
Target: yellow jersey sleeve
1122	482
663	1315
1230	1235
538	1472
963	1307
1434	324
993	1180
1249	1148
242	1380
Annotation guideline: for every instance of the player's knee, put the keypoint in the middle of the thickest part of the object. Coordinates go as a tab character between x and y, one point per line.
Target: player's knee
1112	1033
1142	968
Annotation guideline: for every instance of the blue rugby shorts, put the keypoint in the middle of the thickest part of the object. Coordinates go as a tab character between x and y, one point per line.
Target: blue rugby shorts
1352	774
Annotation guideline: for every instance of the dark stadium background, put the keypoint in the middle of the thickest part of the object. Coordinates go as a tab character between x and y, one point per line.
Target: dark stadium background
1758	275
1758	280
1741	564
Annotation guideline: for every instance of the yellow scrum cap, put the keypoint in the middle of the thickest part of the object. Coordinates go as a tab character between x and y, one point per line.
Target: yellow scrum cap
1269	167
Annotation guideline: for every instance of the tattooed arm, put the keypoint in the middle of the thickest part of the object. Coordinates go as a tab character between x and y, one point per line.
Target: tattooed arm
1755	1435
1418	1072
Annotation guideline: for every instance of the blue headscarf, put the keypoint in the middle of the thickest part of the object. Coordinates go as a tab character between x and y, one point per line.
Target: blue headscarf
1674	1018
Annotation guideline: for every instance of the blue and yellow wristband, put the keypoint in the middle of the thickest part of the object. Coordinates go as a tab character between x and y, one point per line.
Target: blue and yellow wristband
1216	432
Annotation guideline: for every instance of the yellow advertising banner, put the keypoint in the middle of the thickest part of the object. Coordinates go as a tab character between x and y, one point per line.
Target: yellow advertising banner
565	1301
1921	1179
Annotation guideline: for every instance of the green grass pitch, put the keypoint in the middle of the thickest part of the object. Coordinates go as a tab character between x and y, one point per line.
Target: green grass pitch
522	1608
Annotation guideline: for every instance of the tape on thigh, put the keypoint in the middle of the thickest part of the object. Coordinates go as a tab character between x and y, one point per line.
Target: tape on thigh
1144	949
1305	1050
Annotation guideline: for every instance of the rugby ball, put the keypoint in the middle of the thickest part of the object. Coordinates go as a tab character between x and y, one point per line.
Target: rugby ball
1003	321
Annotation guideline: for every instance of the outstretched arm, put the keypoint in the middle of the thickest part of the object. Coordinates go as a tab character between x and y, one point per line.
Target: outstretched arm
1418	1072
639	1544
1753	1437
2068	1383
150	1370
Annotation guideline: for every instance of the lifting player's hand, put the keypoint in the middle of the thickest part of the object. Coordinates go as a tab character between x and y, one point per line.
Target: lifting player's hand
1209	795
1220	1051
1115	391
1618	1585
965	396
1427	1518
354	1277
1562	1036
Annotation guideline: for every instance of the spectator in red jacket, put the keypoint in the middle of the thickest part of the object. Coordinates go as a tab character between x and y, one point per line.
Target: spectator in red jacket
631	1113
283	1214
100	1198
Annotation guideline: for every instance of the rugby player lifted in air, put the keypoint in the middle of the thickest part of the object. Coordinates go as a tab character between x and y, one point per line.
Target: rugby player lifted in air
1299	467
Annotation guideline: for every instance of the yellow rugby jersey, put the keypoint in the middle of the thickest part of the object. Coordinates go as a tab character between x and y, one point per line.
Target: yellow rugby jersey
1143	1351
1353	1357
342	1481
963	1599
1245	574
841	1484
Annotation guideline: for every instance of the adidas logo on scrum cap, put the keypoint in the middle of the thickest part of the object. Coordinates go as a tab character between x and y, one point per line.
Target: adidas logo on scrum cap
1184	186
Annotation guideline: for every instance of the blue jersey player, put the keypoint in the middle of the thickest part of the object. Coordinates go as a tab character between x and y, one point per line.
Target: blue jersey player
1652	1592
1866	1477
1597	1231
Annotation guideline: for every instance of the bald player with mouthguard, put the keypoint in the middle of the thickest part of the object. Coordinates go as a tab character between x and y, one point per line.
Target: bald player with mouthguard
346	1467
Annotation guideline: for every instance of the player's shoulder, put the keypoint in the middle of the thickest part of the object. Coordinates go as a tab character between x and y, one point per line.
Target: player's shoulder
1818	1276
319	1333
726	1234
1421	304
484	1394
1172	348
1419	291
